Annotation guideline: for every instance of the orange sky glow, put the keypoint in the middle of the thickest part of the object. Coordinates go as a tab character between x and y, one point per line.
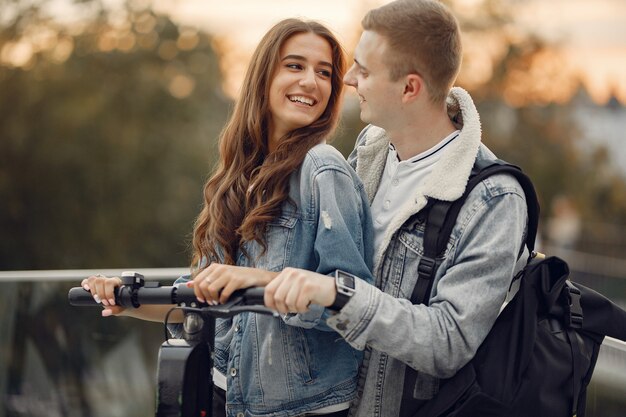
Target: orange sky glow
588	38
591	35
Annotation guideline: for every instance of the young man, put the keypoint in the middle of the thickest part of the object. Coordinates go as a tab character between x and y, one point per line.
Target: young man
418	146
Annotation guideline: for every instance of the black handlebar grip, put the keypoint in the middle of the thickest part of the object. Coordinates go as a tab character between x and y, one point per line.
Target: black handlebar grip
249	296
185	295
254	296
78	296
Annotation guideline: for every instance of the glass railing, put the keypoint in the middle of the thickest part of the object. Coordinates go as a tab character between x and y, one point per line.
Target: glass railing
59	360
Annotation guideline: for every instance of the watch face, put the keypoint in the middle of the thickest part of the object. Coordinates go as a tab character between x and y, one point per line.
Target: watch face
345	279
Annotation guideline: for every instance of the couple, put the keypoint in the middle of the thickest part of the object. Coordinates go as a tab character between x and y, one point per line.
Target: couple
285	211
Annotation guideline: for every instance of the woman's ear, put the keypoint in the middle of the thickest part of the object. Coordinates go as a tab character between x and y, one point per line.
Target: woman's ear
413	85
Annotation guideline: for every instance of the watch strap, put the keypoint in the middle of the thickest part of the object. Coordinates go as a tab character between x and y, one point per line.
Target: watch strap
344	292
340	301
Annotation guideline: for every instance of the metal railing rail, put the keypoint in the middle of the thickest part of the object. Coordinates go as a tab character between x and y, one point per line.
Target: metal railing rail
607	385
62	275
161	274
588	263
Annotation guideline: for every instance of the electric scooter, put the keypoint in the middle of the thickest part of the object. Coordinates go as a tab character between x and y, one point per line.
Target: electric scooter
184	380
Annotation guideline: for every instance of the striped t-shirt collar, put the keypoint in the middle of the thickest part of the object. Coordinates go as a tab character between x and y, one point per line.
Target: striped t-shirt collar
432	151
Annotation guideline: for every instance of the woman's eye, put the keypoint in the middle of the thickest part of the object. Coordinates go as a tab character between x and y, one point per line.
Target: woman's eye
324	73
294	66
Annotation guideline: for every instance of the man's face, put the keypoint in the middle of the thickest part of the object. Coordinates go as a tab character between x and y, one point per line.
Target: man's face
379	97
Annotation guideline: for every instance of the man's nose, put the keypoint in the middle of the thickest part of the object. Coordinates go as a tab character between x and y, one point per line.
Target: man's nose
349	78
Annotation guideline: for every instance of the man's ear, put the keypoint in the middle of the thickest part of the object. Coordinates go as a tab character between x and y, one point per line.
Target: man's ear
413	86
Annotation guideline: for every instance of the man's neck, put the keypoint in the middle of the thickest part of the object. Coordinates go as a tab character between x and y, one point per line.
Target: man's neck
420	134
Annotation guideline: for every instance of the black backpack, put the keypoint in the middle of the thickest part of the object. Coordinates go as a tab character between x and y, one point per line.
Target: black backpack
539	356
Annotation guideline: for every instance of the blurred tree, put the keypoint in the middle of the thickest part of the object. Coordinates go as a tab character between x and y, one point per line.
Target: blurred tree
107	130
107	125
524	123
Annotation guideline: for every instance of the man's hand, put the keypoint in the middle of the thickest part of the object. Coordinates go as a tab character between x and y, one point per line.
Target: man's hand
217	282
294	289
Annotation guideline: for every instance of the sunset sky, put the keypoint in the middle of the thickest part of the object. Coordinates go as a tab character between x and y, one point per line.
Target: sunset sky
591	34
593	37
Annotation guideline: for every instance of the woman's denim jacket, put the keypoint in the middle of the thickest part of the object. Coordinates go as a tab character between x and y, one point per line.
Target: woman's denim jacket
470	284
291	365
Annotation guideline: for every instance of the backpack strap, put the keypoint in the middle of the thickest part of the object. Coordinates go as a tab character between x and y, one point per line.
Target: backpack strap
440	220
486	168
434	243
441	217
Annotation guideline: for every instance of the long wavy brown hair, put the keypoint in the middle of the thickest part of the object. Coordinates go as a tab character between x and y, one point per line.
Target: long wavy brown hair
251	184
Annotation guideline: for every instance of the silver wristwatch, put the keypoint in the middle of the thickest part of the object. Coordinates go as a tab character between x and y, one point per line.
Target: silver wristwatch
345	284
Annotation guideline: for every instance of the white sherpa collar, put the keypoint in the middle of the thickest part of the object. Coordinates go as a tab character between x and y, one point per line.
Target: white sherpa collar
449	176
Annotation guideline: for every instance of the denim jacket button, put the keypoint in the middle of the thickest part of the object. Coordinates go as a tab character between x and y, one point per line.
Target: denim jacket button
239	414
237	328
233	372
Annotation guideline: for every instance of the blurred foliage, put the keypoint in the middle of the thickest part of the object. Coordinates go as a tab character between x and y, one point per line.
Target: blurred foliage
546	141
108	127
107	134
58	360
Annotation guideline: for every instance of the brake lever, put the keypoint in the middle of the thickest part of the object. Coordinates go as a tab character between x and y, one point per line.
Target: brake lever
235	305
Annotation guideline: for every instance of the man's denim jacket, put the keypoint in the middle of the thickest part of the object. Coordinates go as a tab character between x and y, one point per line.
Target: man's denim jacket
470	284
294	364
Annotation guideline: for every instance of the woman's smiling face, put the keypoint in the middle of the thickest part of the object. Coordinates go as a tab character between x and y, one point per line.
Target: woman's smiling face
301	87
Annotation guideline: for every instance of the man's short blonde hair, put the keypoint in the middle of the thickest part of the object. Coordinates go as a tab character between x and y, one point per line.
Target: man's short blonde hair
423	37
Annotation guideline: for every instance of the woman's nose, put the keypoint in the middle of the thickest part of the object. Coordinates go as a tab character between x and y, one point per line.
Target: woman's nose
308	79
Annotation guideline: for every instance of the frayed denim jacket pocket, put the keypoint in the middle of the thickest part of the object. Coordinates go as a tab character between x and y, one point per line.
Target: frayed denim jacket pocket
279	237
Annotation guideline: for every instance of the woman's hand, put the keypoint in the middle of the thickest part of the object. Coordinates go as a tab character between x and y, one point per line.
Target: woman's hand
217	282
101	288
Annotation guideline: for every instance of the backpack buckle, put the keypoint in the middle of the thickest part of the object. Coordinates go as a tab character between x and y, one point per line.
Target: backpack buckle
575	311
426	267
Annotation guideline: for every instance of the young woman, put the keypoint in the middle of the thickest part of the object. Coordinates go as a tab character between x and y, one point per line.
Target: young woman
279	198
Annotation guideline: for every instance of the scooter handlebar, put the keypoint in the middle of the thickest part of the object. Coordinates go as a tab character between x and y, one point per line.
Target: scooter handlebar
153	293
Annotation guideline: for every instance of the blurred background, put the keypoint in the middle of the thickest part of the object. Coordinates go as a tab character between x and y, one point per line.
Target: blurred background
109	117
